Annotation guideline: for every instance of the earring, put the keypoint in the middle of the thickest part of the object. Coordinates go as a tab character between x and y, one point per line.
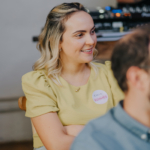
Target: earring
60	50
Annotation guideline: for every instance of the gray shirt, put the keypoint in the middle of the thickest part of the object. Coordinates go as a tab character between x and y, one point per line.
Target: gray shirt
114	131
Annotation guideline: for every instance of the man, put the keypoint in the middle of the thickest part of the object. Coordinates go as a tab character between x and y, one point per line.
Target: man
127	126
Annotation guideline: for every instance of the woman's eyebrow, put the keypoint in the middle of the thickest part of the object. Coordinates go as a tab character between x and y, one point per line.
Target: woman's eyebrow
82	30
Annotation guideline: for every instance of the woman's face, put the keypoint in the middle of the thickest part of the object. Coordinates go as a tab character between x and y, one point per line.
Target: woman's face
79	39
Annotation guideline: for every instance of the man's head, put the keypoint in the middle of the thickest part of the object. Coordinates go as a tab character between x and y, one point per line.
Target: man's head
131	61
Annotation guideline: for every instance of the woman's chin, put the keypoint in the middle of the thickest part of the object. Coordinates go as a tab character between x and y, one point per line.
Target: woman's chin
88	60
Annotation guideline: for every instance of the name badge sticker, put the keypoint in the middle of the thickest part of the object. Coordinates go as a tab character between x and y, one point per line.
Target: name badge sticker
100	97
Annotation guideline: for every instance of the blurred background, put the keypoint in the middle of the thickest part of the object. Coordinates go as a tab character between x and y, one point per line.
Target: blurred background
20	24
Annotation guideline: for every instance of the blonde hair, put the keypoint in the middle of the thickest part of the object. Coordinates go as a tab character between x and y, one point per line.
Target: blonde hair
50	38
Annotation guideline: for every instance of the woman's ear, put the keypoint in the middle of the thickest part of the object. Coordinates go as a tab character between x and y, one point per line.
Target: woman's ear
60	47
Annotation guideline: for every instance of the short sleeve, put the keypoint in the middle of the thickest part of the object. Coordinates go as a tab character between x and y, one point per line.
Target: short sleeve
39	94
116	91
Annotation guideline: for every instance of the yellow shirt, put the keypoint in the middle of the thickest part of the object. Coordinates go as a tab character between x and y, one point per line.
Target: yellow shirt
92	100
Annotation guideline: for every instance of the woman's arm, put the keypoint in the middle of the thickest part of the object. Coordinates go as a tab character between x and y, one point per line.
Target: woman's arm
51	132
74	130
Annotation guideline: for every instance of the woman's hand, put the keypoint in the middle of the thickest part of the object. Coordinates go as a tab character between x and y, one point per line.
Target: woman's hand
73	129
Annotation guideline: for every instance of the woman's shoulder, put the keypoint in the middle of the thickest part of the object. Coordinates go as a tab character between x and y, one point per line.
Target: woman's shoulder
40	95
33	74
35	77
103	67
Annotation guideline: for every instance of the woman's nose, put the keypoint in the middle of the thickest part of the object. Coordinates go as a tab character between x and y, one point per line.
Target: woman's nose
90	40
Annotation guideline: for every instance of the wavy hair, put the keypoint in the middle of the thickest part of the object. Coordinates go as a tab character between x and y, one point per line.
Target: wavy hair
51	36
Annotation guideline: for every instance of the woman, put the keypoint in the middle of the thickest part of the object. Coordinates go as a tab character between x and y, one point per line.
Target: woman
66	89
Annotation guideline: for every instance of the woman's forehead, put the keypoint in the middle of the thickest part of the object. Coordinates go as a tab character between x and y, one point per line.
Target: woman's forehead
79	21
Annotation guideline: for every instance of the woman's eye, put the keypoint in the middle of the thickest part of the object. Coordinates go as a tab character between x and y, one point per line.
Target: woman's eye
79	35
93	31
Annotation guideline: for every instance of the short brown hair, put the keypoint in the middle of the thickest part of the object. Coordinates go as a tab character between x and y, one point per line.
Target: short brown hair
131	50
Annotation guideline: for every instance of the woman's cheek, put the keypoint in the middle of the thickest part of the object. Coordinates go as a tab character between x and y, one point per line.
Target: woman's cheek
81	42
95	39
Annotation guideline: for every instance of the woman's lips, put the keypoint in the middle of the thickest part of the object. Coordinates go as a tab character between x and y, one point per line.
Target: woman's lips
88	51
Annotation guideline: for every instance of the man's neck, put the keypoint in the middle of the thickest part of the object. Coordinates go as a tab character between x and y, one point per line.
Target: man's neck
138	107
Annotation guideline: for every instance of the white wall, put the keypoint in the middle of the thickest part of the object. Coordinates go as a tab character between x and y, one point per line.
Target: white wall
20	20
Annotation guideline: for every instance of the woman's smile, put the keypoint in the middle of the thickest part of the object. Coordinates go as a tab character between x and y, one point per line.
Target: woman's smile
87	51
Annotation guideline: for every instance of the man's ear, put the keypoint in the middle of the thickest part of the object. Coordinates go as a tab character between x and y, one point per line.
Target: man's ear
134	77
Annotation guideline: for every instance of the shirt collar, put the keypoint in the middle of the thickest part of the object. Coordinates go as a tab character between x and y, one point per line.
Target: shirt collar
131	124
